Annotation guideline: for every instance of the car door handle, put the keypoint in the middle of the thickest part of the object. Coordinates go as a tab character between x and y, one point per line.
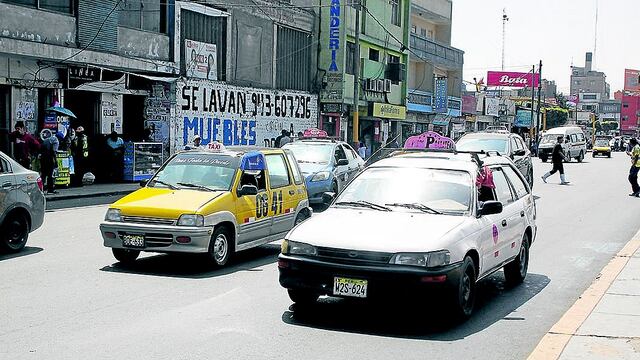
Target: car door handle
522	213
7	185
292	192
504	223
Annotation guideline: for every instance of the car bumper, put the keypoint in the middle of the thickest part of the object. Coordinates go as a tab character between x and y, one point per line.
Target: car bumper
158	238
383	280
315	189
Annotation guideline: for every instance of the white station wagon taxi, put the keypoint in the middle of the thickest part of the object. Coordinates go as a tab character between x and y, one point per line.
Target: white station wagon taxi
413	224
212	202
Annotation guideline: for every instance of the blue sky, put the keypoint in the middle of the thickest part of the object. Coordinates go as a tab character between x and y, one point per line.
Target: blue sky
554	31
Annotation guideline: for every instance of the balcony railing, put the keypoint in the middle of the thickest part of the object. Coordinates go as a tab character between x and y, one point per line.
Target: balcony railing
439	54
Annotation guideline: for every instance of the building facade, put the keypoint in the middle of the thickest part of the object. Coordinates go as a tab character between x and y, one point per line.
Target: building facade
586	80
383	71
629	112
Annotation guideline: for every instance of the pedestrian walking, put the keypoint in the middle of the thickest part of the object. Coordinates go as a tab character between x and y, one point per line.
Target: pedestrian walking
48	161
25	145
362	150
557	158
635	167
80	153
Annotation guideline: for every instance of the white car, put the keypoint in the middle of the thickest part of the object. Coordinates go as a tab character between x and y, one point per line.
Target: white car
414	223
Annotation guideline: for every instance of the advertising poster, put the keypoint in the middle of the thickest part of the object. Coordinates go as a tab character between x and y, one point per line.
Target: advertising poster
200	60
111	113
512	79
523	119
234	115
440	103
332	56
492	106
631	80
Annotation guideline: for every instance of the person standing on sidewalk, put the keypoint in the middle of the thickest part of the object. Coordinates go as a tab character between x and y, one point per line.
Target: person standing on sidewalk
80	153
48	161
635	167
25	145
557	157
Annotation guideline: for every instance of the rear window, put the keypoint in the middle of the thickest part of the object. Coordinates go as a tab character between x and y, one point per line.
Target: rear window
486	144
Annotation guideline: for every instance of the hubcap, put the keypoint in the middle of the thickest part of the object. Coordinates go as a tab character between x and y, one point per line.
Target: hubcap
466	289
523	260
220	247
16	233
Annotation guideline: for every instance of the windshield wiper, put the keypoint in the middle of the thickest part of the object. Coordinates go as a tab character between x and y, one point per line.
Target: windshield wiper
363	203
172	187
195	186
421	207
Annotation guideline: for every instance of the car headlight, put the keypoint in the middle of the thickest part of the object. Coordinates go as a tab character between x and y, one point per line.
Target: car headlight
430	260
113	215
191	220
320	176
298	248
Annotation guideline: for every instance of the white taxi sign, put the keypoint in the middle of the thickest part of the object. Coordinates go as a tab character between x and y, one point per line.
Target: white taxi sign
215	146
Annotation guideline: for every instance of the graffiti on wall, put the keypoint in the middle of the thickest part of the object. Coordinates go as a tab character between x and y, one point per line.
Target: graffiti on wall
236	115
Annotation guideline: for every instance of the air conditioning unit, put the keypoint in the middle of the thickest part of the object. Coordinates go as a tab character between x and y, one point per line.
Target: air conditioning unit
372	85
380	85
387	85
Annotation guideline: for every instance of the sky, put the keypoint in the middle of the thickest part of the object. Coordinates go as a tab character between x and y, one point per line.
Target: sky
558	32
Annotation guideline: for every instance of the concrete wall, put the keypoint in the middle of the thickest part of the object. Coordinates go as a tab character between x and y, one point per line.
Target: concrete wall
439	7
143	44
20	22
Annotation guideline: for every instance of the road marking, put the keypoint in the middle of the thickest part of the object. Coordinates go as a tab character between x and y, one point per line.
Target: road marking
553	343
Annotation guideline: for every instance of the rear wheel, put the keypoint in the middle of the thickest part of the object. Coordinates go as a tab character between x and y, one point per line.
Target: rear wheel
465	292
516	270
126	256
609	155
15	232
580	157
544	158
302	297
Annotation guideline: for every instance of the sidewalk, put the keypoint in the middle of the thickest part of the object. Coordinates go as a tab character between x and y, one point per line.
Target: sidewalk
94	190
605	321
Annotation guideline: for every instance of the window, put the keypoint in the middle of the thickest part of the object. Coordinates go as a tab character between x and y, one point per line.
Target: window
293	59
394	59
62	6
297	176
514	145
577	82
351	53
423	32
414	29
517	182
580	137
521	144
278	171
339	154
503	190
374	55
351	154
141	14
625	105
395	12
255	178
574	138
4	166
430	34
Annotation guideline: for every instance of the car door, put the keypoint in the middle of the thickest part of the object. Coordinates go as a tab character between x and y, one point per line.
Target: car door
252	215
297	192
342	171
353	166
282	194
7	184
517	154
505	230
524	203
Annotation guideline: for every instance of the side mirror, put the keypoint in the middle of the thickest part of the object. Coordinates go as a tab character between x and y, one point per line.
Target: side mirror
248	190
327	198
490	208
143	183
343	162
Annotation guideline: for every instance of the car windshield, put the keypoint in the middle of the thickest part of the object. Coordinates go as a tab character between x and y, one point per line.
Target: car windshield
203	172
311	153
411	189
478	144
602	142
550	138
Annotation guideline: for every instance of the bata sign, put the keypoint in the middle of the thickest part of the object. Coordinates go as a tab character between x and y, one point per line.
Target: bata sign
511	79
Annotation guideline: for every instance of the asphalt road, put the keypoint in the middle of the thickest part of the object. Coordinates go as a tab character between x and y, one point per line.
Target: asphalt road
65	297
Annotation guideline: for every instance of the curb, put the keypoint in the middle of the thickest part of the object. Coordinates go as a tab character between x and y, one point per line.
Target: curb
82	196
556	339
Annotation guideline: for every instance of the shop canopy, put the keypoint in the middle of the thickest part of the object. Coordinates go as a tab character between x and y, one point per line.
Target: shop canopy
62	111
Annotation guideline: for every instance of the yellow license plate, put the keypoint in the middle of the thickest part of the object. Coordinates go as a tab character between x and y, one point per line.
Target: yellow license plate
350	287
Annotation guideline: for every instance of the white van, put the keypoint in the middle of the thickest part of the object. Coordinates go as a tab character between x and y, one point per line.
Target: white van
575	143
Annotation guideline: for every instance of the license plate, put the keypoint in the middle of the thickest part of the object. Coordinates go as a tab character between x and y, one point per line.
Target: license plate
133	240
350	287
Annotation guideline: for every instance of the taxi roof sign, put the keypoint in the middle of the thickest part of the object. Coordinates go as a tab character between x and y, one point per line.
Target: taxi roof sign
215	146
429	140
253	161
315	133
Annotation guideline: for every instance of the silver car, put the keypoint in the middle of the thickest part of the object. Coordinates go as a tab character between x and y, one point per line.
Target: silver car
22	204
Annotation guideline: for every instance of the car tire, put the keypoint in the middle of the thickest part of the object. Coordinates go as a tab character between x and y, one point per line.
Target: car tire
465	291
302	297
221	246
609	155
580	157
15	233
544	159
516	270
594	155
125	256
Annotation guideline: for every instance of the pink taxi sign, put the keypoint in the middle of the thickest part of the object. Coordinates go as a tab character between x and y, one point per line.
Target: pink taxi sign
429	140
315	133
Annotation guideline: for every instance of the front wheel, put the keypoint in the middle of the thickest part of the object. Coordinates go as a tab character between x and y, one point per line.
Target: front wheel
544	158
609	155
220	247
15	232
516	270
580	157
465	292
125	256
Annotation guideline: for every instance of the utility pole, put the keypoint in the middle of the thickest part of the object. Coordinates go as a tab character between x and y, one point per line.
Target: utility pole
533	73
356	77
505	18
539	93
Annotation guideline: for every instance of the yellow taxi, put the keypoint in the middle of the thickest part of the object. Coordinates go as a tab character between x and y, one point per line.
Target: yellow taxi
210	201
602	147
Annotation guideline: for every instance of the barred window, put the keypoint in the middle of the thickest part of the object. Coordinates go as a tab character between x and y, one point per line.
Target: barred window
293	59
